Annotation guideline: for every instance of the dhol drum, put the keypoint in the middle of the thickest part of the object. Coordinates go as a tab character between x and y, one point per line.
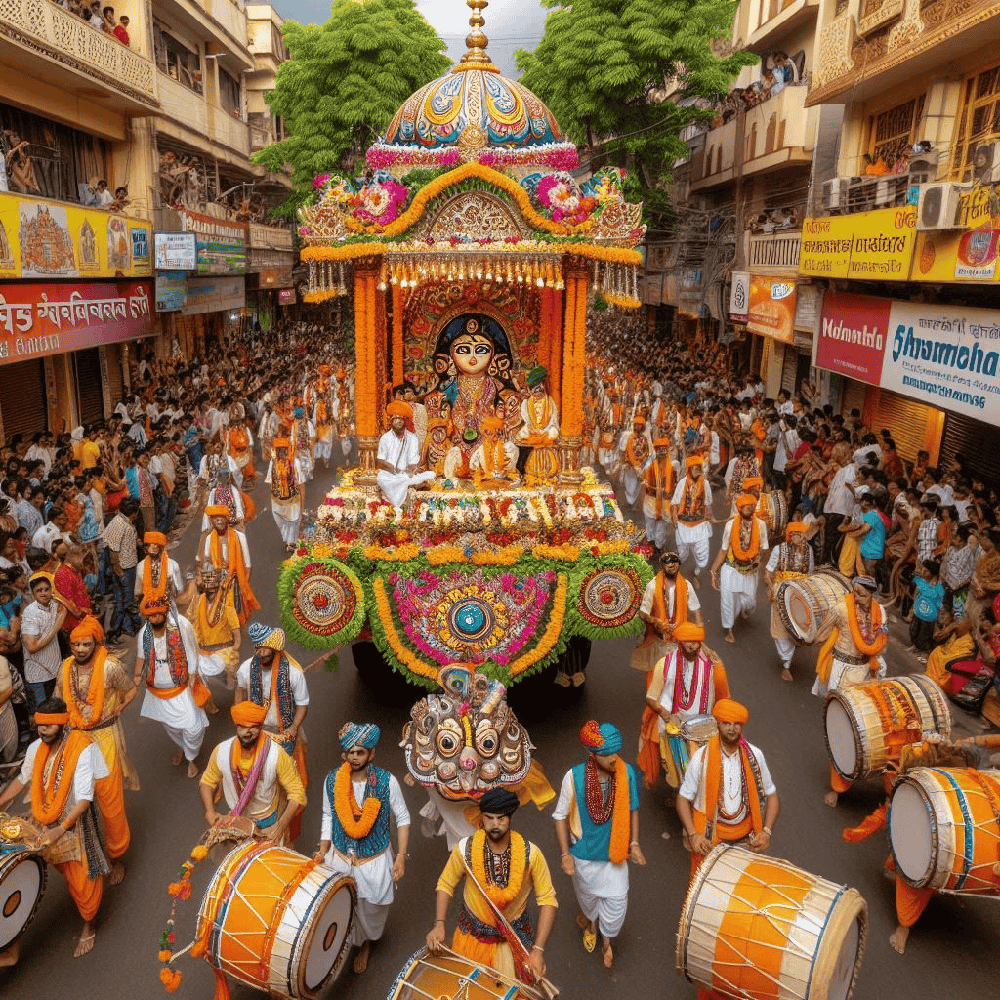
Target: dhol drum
23	875
699	728
804	604
277	921
758	928
772	509
944	829
449	977
866	724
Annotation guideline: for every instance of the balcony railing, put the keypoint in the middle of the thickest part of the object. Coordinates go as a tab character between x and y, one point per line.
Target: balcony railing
774	252
68	39
183	105
270	237
228	130
260	138
231	15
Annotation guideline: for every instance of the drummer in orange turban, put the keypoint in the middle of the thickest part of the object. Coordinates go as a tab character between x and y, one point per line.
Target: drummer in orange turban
248	714
737	565
720	799
791	560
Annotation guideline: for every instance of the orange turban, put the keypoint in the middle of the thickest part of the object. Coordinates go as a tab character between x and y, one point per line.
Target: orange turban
89	628
745	498
641	421
248	713
753	483
217	510
727	710
397	408
661	443
153	604
324	369
695	460
689	632
154	538
492	424
280	442
795	526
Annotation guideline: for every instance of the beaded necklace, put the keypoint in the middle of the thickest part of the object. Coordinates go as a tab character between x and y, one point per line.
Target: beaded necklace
497	866
599	806
728	817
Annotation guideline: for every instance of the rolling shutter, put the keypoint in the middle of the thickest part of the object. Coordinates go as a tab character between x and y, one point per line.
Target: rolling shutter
22	397
978	442
906	420
89	391
113	359
789	369
853	396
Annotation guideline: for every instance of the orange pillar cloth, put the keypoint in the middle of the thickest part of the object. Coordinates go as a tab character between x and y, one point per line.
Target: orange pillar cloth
397	335
380	342
910	902
109	795
574	353
85	892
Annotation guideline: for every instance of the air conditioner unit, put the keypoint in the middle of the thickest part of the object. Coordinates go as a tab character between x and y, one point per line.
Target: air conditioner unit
938	206
835	193
986	163
923	167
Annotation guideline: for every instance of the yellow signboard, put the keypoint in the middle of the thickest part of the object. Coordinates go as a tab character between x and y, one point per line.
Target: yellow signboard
40	238
966	254
866	245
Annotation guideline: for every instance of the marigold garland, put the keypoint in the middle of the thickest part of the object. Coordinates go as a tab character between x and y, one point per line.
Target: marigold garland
501	898
559	553
752	551
427	671
878	643
446	554
552	635
349	251
357	822
291	570
401	553
181	889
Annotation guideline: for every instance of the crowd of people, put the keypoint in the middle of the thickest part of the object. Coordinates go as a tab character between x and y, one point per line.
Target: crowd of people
100	17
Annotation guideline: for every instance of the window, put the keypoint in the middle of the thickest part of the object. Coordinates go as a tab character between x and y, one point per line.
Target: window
892	130
229	93
980	119
176	60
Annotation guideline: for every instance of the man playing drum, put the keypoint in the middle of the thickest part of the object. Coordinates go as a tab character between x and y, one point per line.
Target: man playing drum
667	602
97	690
501	870
735	570
60	768
727	794
686	684
598	810
358	802
855	634
258	779
791	560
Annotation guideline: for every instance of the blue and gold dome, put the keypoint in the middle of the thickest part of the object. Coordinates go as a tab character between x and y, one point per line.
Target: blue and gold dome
474	113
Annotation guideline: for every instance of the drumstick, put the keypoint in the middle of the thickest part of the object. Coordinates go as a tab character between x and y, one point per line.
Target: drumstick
990	740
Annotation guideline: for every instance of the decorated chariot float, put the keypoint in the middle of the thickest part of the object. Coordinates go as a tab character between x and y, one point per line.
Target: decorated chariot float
474	254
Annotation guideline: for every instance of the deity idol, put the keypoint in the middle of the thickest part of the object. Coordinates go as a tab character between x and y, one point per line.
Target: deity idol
472	361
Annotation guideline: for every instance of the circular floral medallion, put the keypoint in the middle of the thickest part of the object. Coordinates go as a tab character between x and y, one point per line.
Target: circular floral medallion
471	620
324	599
610	597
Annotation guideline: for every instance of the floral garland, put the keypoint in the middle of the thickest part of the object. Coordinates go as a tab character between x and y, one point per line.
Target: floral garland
181	889
556	156
501	898
288	576
577	623
357	821
558	553
552	641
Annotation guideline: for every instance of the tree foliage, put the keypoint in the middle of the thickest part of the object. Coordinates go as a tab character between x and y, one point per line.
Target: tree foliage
344	81
601	63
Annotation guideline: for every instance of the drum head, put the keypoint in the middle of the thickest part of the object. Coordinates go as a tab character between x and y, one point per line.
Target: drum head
22	882
840	738
911	832
327	946
842	979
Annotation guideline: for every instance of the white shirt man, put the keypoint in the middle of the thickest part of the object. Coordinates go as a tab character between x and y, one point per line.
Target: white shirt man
399	456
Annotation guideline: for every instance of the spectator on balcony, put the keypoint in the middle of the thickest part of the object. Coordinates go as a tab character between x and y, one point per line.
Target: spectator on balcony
104	196
784	68
875	167
109	20
766	85
96	17
20	166
121	200
777	80
121	30
902	164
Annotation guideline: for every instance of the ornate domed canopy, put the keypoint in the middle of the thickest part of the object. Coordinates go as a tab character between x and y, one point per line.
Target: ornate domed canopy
471	109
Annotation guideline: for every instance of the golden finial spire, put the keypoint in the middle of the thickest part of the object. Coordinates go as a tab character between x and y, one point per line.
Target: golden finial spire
476	40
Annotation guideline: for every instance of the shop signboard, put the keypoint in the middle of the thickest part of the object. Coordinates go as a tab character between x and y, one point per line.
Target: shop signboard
853	331
40	238
958	254
945	356
171	291
221	244
739	296
39	319
286	296
771	307
175	251
864	245
207	295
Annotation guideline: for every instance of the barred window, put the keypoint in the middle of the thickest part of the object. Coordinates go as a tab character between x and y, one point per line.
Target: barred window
893	130
979	121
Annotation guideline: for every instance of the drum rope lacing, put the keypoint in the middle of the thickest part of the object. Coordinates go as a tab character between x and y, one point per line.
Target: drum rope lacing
968	855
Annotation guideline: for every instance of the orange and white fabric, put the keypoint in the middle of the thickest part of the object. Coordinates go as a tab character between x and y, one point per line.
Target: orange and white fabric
738	591
693	539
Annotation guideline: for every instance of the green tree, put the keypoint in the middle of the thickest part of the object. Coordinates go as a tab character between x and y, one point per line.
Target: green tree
603	66
344	81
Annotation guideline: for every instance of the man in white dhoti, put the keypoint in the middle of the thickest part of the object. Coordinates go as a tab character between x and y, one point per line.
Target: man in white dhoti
737	566
399	456
690	512
257	778
597	826
287	479
791	560
359	800
635	455
168	654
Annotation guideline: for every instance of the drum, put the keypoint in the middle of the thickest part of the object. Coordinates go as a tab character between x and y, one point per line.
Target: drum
23	875
448	976
772	509
277	921
803	605
699	728
944	829
758	928
866	724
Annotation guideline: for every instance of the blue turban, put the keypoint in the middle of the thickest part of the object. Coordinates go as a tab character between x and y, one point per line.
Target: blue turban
258	632
602	738
299	412
359	734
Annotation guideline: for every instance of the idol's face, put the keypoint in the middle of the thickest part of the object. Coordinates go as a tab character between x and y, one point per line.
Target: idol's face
472	353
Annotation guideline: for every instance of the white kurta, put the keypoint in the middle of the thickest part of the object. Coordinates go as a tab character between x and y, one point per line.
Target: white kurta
446	817
738	591
601	886
287	514
401	453
692	539
373	879
296	680
184	721
731	786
